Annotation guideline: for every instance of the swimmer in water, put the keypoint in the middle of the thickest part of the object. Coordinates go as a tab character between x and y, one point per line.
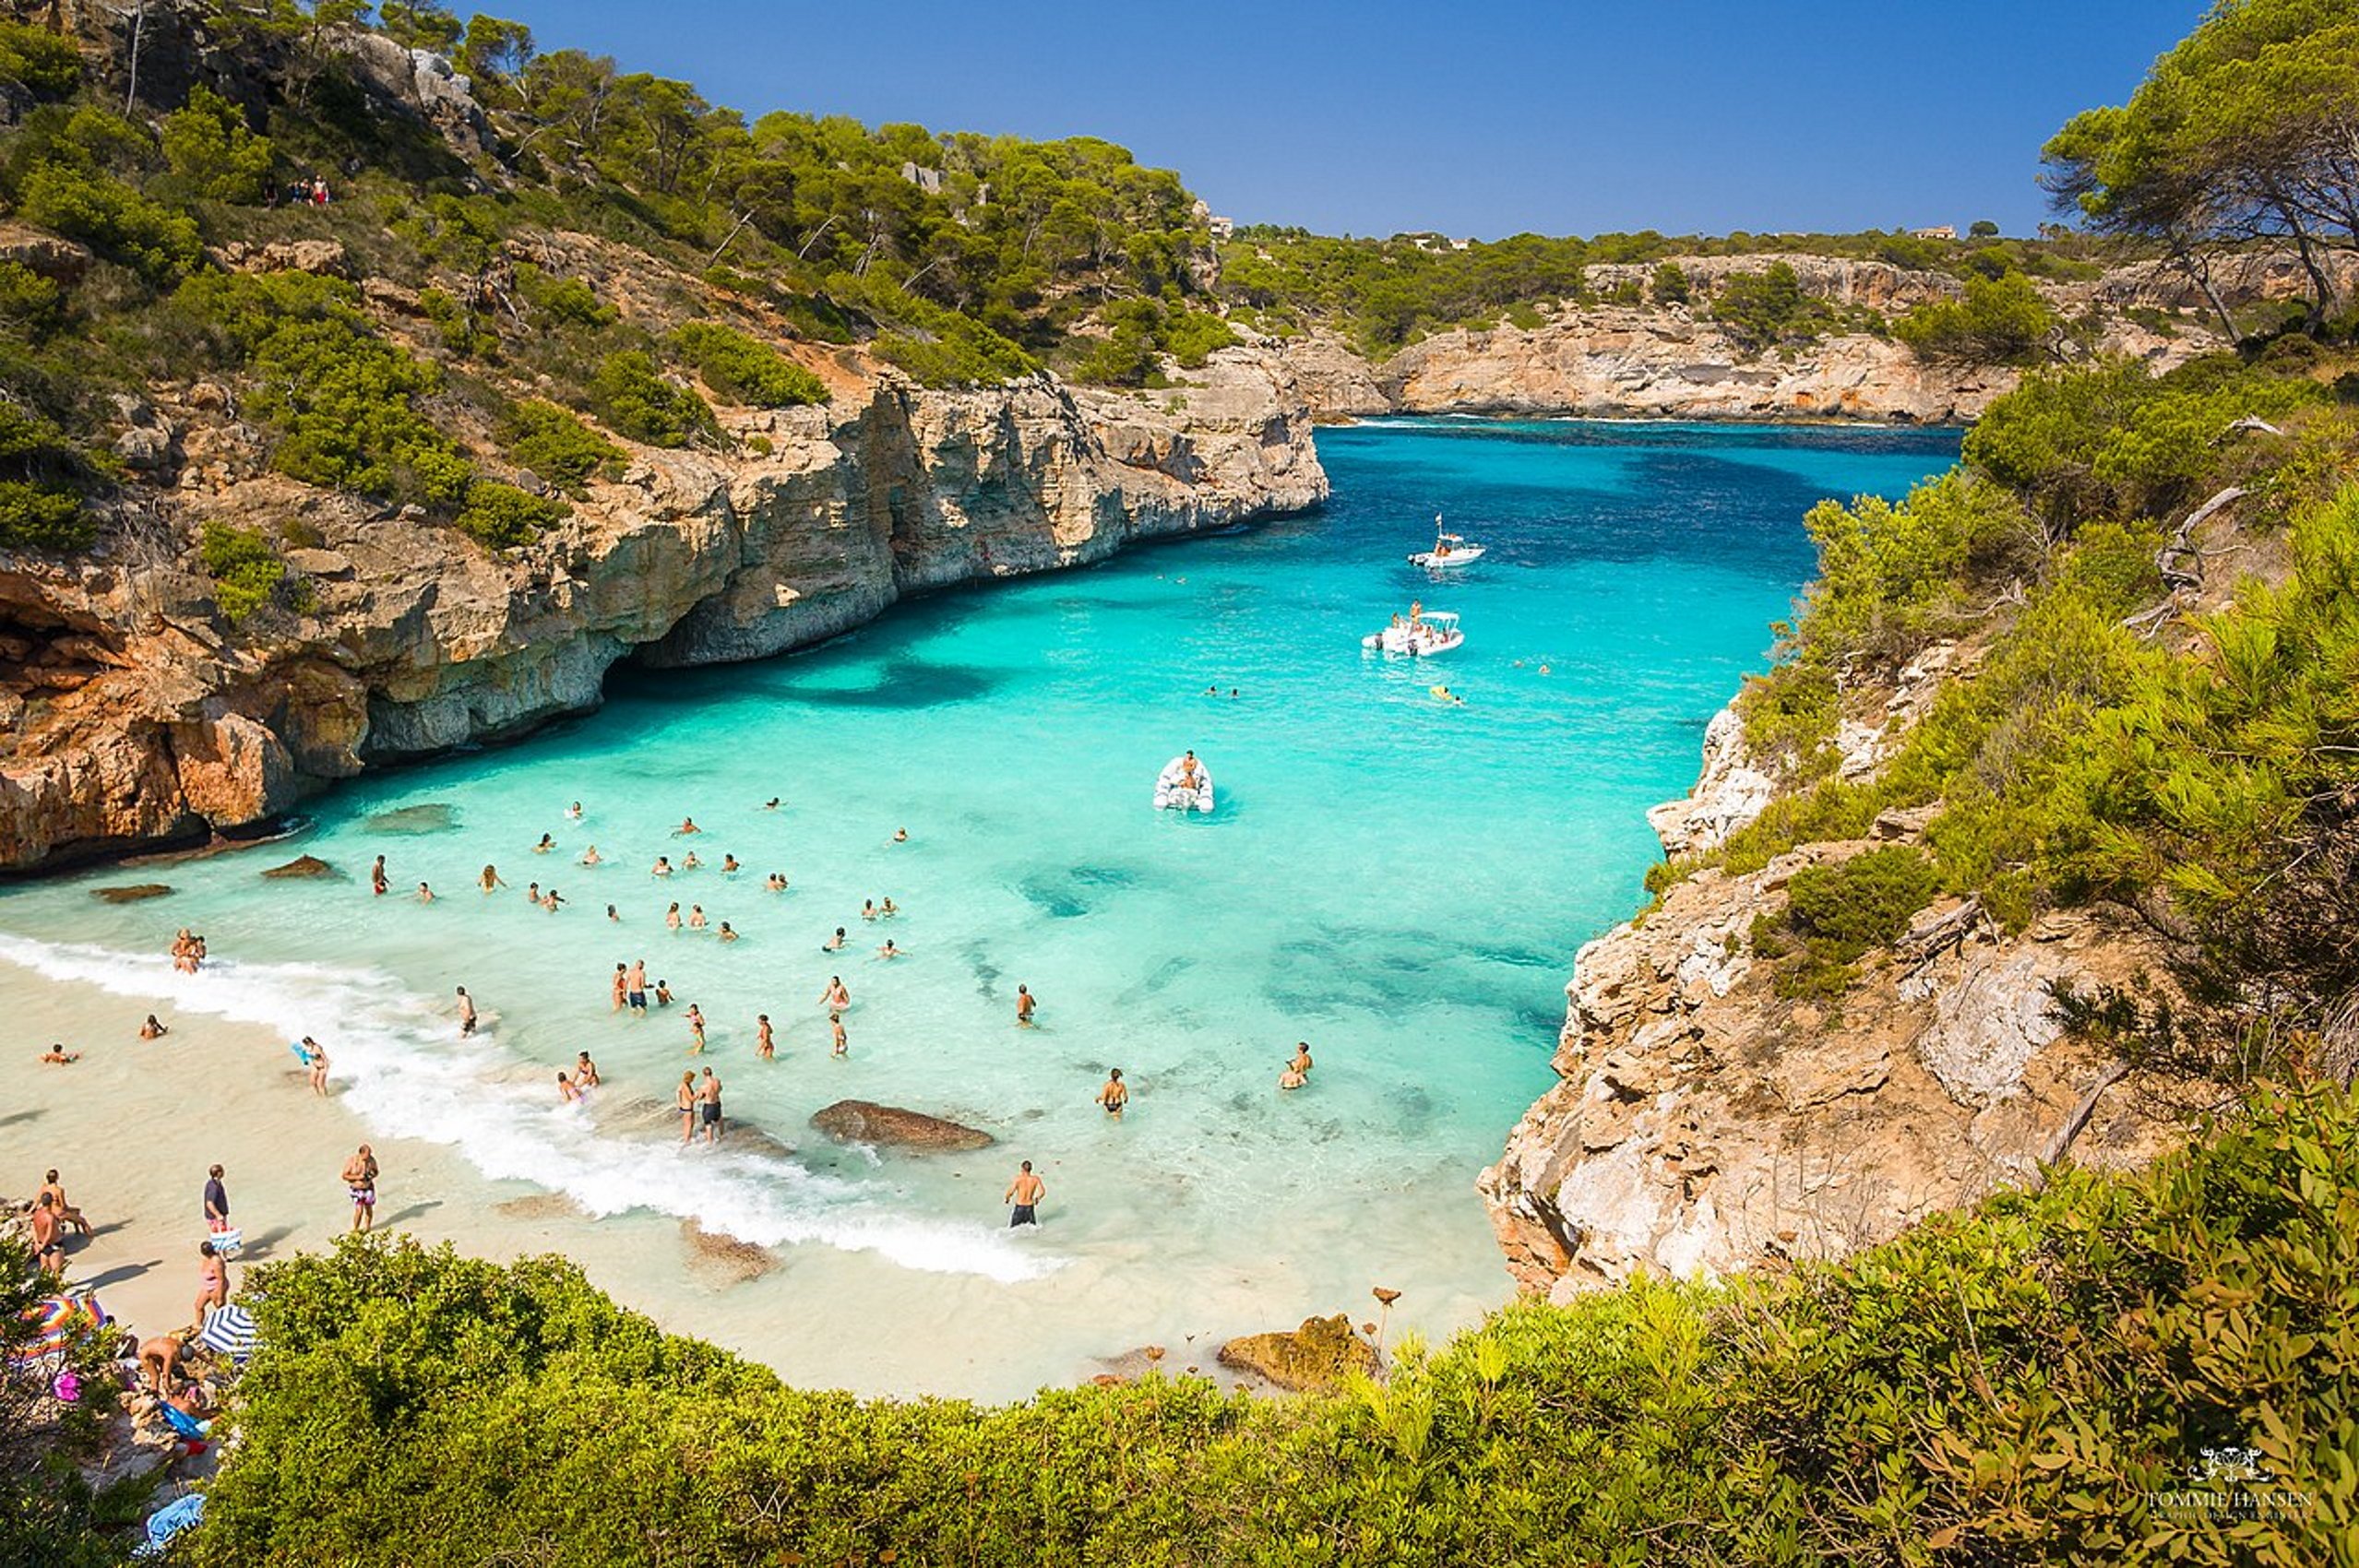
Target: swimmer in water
573	812
687	825
1302	1058
1115	1094
868	908
621	992
777	882
550	901
689	861
566	1093
833	942
153	1028
888	909
888	950
671	916
378	881
613	915
491	879
634	992
546	843
729	866
835	998
662	867
663	993
725	934
1024	1005
590	856
835	1026
900	836
771	804
765	1044
532	893
58	1056
697	917
1290	1079
425	895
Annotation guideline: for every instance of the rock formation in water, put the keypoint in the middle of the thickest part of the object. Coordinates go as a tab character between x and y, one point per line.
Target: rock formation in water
865	1121
135	717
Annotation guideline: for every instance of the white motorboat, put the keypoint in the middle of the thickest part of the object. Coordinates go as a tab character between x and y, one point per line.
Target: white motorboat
1421	635
1450	550
1185	785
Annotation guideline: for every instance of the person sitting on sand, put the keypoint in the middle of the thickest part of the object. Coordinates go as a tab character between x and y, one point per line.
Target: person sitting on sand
777	882
888	950
590	856
727	935
491	879
58	1056
54	1191
547	843
153	1028
687	825
662	867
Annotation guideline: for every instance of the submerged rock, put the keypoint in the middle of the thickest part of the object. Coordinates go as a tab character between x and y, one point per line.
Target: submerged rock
864	1121
132	894
434	816
302	865
1320	1352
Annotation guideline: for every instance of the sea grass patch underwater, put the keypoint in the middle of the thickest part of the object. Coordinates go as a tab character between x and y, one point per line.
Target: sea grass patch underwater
2149	1367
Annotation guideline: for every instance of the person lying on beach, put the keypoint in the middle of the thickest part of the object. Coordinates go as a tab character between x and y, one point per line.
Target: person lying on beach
153	1028
57	1055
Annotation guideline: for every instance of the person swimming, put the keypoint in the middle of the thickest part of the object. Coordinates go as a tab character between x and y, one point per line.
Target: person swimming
725	934
900	836
1024	1005
697	917
613	915
491	879
590	856
687	825
1115	1094
777	882
573	812
547	843
689	861
425	895
888	950
154	1028
834	943
662	867
729	866
57	1055
532	893
888	909
868	908
772	803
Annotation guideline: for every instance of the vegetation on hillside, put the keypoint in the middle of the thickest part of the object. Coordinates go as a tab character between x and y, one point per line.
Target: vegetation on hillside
2052	1377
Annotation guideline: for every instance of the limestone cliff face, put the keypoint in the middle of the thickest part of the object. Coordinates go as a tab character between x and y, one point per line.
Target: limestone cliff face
1704	1124
133	717
1672	363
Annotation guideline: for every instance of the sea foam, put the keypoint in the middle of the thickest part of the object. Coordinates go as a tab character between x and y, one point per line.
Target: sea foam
398	1068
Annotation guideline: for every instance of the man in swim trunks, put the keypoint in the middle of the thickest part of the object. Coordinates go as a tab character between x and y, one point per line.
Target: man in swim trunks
1025	1192
466	1014
1023	1008
160	1357
48	1238
709	1106
217	1201
377	881
359	1177
687	825
833	942
1115	1094
635	993
58	1056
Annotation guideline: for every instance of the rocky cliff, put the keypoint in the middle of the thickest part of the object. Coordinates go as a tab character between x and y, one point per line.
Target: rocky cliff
1706	1124
133	716
1669	361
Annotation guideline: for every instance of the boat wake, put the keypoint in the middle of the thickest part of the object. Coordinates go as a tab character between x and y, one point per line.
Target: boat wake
398	1070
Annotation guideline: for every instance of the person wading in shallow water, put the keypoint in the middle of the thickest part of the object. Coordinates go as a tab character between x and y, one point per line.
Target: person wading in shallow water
1025	1192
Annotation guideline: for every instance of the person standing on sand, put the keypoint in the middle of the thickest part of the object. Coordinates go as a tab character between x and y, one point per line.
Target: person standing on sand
217	1201
316	1058
1025	1192
359	1177
709	1100
686	1099
1115	1094
466	1014
213	1282
48	1238
1023	1008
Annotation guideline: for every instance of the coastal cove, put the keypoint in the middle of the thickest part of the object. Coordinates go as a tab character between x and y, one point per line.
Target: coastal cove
1401	882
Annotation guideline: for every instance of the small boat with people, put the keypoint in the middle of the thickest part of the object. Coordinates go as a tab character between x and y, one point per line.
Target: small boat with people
1421	634
1449	550
1185	785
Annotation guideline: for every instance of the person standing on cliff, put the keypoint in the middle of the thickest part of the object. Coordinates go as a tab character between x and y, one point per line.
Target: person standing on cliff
1025	1192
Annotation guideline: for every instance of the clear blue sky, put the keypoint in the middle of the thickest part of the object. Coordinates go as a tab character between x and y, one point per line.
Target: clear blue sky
1480	119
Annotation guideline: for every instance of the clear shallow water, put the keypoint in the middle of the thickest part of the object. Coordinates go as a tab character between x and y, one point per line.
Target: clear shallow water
1401	882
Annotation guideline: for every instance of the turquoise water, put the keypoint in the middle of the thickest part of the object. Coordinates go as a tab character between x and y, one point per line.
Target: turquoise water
1399	882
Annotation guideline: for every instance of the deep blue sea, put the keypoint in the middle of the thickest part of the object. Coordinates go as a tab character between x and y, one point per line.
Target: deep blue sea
1397	881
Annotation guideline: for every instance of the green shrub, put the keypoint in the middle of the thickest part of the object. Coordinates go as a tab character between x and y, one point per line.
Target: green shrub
112	218
562	302
30	301
44	63
502	516
463	333
1863	902
636	402
745	371
1671	286
245	568
36	517
207	144
2001	320
1191	337
560	448
1767	308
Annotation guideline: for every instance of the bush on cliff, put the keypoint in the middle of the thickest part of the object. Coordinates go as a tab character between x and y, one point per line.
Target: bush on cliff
2047	1378
745	371
37	60
559	447
246	571
636	402
502	516
2001	320
210	147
